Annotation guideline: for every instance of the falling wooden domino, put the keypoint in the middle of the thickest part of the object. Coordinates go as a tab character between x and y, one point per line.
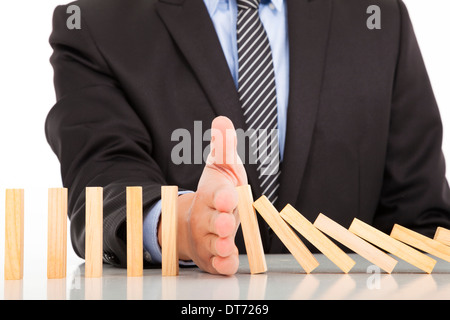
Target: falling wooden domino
442	235
292	242
392	245
355	243
250	230
57	233
135	251
14	236
169	219
94	233
421	242
317	238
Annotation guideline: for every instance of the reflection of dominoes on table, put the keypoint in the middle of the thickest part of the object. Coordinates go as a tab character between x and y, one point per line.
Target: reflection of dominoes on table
360	237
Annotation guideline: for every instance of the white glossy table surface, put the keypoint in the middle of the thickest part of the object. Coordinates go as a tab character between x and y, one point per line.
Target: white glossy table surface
284	280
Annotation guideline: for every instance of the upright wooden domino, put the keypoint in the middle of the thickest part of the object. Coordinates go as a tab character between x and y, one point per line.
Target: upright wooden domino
14	236
442	235
169	219
57	233
94	233
355	243
250	230
421	242
284	232
135	250
317	238
397	248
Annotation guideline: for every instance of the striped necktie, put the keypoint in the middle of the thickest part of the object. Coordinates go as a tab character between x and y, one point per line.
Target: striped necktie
257	94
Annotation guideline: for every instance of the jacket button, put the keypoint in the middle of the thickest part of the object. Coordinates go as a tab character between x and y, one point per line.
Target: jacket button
109	257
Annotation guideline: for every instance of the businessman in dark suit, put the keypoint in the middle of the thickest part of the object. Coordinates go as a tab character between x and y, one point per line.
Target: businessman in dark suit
359	130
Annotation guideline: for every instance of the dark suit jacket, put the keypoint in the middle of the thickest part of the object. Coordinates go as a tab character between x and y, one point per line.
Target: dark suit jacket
363	128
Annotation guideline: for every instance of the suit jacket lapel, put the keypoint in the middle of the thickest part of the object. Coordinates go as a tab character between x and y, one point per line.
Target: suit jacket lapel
190	25
192	29
308	25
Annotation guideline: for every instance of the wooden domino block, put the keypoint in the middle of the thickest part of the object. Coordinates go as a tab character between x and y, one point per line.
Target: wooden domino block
14	236
442	235
169	222
250	230
355	243
392	245
94	233
317	238
135	250
292	242
421	242
57	233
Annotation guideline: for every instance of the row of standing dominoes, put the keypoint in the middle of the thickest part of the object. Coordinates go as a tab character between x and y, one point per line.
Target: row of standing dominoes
57	233
360	237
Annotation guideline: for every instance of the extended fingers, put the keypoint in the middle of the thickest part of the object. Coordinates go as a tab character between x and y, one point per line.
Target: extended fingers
226	265
222	224
222	247
217	255
225	199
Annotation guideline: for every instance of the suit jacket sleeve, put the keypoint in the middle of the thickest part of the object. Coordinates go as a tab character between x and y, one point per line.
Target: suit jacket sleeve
97	136
415	192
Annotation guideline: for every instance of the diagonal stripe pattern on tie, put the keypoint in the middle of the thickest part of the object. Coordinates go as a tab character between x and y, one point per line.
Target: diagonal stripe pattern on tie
257	93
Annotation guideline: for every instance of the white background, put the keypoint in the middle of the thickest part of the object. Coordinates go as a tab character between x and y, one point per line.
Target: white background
27	94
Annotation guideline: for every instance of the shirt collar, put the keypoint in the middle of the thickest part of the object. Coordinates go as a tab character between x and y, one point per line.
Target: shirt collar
212	5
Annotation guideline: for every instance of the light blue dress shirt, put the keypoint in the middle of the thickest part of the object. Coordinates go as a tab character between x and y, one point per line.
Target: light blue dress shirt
223	13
